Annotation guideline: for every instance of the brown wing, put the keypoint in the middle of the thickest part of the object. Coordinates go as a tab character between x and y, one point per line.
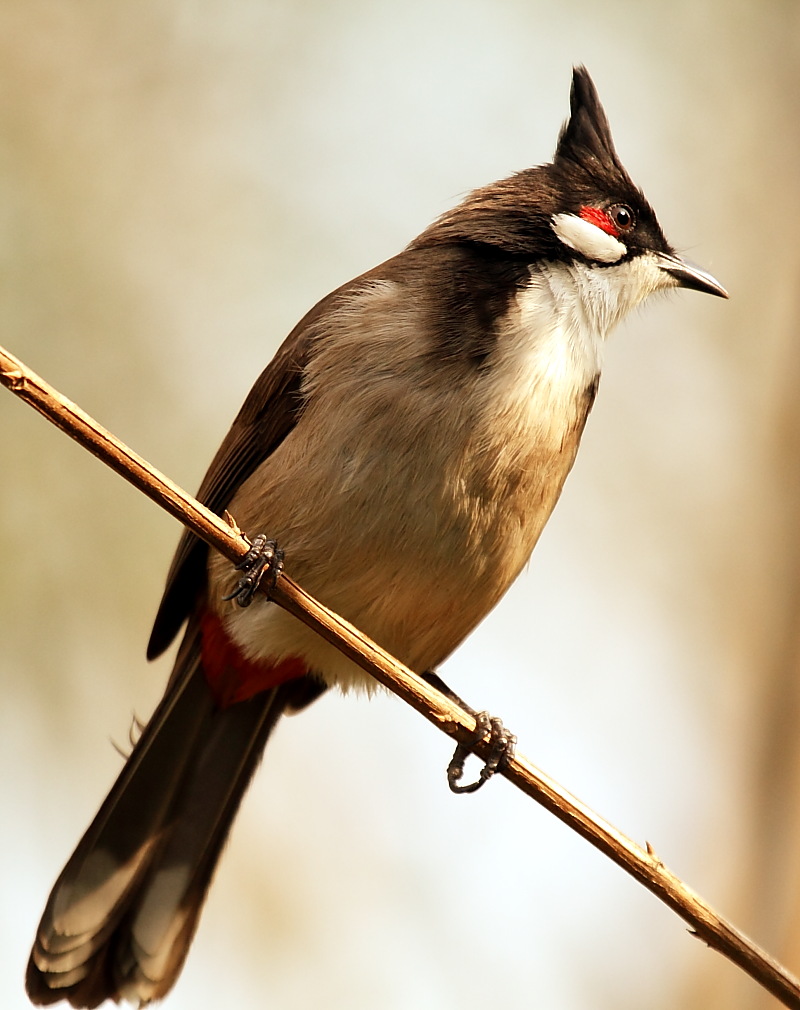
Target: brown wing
269	413
272	408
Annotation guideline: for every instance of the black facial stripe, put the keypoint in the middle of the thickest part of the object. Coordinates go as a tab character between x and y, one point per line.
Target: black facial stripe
471	294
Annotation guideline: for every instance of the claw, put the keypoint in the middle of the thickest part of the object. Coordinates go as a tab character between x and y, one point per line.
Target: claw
502	745
263	557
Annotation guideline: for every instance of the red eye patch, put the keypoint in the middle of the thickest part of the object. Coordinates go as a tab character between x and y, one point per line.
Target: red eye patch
600	219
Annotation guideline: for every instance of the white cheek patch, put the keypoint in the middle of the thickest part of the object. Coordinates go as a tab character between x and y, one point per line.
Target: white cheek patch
587	239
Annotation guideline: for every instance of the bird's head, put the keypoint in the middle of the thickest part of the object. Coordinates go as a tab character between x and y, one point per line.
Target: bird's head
581	208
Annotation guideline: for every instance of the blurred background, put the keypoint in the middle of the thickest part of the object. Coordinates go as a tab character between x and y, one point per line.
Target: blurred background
179	182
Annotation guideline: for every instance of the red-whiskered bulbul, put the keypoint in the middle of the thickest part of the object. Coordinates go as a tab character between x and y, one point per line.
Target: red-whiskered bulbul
405	447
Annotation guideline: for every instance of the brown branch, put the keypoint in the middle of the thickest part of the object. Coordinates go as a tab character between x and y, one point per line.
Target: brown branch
642	864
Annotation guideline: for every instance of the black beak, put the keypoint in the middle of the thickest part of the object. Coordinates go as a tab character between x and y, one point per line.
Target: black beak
689	276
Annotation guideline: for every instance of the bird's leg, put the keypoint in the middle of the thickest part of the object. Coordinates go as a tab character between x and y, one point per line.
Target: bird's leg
502	744
264	557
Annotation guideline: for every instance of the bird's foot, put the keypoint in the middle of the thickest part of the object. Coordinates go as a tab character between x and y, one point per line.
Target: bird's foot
502	745
264	558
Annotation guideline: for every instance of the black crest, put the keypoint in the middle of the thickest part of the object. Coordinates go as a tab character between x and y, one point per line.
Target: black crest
585	139
514	216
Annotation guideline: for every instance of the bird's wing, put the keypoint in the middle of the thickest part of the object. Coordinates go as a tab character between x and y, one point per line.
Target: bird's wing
270	411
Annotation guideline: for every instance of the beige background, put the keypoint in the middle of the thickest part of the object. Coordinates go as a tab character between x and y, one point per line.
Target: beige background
179	182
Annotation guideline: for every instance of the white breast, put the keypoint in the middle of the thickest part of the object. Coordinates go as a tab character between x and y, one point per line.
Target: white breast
549	352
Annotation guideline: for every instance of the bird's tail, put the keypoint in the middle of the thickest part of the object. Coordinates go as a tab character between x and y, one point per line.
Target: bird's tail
122	914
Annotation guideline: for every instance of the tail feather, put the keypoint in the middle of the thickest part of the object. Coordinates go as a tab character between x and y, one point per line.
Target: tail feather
165	920
123	912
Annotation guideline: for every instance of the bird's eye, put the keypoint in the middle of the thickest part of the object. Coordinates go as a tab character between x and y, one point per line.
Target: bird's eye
622	216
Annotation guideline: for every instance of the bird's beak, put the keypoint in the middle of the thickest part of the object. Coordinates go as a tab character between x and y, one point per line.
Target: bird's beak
688	275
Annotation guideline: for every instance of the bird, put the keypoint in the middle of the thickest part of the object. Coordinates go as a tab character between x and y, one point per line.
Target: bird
404	448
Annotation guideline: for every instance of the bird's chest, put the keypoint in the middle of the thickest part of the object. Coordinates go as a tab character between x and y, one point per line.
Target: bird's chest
409	499
529	419
465	472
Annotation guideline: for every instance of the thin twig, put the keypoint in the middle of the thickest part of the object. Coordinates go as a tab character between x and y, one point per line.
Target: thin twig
642	864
